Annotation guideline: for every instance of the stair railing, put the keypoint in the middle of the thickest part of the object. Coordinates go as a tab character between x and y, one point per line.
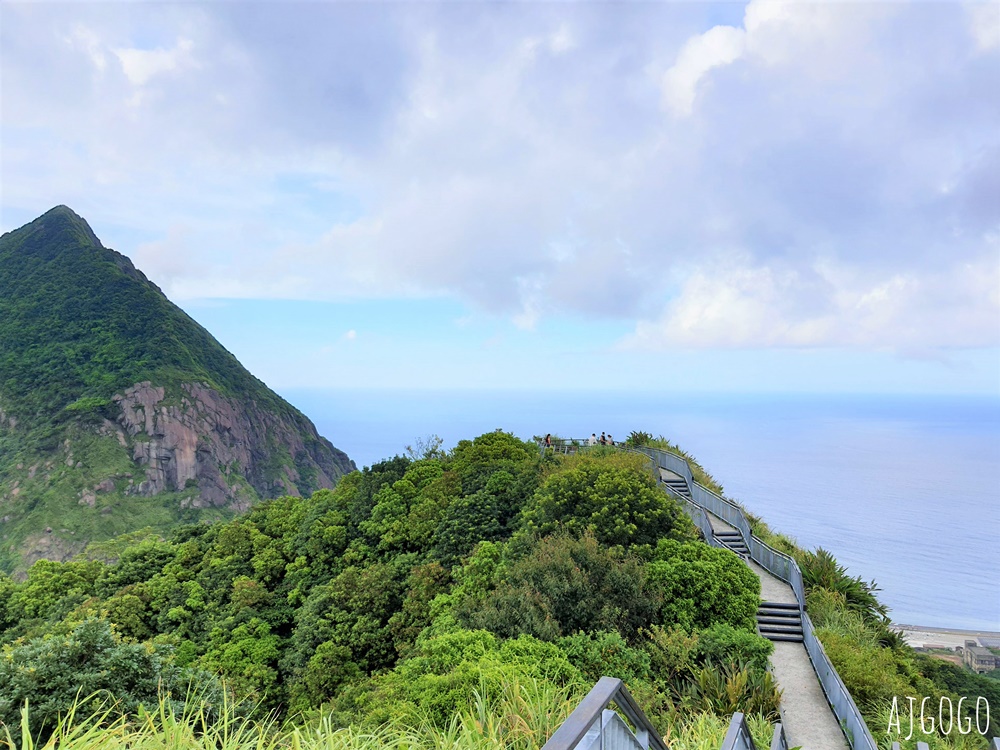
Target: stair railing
778	564
592	726
738	737
784	567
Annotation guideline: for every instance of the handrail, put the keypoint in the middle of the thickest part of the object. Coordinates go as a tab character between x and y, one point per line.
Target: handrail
778	564
590	710
738	736
779	741
785	568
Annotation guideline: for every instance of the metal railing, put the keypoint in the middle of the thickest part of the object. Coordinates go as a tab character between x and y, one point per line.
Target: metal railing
778	740
738	737
592	726
784	567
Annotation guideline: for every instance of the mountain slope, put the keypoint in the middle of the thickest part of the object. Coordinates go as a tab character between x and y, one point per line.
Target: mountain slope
118	410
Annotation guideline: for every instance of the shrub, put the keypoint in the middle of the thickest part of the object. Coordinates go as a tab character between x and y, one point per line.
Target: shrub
563	586
723	643
820	569
672	651
51	671
618	505
446	672
731	687
702	585
600	654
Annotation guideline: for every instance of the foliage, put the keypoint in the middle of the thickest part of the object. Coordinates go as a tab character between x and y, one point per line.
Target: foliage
597	654
638	439
730	687
821	570
87	660
721	642
702	585
566	585
445	672
618	505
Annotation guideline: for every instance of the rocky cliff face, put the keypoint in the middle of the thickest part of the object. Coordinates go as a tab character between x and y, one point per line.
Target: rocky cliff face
203	439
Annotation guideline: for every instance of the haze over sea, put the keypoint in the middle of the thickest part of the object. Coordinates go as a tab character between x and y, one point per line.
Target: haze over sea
902	489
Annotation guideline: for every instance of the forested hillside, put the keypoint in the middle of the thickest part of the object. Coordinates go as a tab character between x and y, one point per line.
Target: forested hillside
399	594
118	411
465	599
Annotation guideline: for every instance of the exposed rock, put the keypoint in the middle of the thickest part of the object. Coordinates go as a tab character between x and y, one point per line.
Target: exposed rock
196	442
108	485
49	546
88	498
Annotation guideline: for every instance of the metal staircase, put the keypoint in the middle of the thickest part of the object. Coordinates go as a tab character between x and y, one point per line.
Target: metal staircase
678	486
733	540
778	621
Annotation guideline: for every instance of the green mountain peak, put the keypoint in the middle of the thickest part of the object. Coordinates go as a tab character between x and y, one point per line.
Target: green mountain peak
102	375
59	227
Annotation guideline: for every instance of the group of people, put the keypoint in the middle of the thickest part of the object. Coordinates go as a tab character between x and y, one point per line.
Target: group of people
593	440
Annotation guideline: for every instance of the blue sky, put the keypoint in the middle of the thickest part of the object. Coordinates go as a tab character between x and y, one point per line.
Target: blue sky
710	197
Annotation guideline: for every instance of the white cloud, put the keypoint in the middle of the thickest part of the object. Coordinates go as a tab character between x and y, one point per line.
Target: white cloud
984	24
827	305
140	65
718	46
520	158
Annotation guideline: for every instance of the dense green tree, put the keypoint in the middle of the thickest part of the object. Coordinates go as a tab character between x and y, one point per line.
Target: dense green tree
51	671
701	585
618	502
565	585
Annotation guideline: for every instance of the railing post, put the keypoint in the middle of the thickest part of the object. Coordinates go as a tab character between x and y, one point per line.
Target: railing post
590	712
779	741
738	736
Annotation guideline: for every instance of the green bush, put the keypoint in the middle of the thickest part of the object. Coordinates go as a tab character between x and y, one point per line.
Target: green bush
89	660
701	585
619	505
721	642
606	654
563	586
445	673
821	570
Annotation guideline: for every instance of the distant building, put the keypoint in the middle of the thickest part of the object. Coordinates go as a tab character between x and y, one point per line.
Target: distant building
980	660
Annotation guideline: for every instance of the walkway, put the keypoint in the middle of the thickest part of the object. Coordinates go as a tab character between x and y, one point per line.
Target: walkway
806	715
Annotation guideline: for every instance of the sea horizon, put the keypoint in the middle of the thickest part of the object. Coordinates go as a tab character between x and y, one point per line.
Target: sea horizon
901	488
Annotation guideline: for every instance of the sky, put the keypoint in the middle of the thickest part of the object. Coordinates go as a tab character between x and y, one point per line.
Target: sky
721	197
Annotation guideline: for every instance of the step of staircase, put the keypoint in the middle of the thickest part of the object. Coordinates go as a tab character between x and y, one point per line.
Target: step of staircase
734	541
779	621
678	486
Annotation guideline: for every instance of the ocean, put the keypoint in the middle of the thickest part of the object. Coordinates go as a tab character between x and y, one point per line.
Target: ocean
904	490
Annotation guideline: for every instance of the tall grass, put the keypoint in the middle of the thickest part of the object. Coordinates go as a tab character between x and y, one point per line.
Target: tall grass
521	715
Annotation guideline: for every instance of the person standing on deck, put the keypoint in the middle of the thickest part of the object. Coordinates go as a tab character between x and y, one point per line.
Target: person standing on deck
593	439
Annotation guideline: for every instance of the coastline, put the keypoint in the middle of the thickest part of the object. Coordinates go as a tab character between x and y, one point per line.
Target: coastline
920	636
